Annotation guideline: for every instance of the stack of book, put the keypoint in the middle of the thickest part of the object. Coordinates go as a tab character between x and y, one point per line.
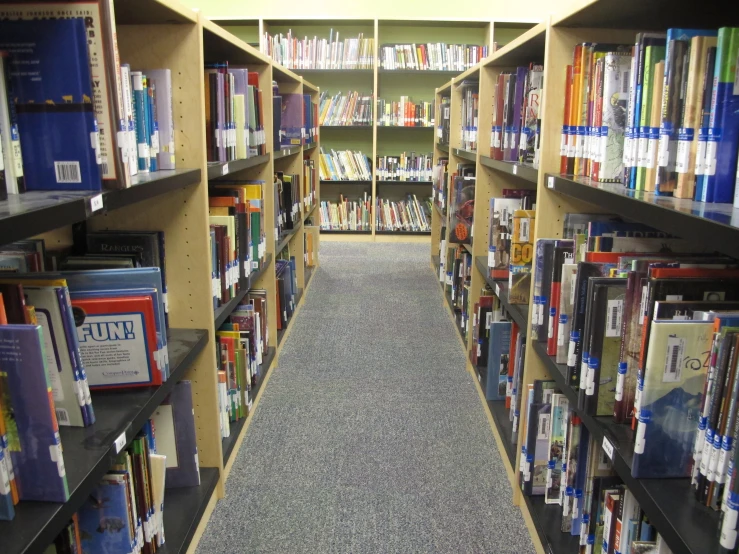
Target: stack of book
443	116
340	109
345	165
234	116
347	215
310	181
237	235
406	167
440	177
115	123
470	110
404	113
315	53
436	56
672	129
516	119
408	215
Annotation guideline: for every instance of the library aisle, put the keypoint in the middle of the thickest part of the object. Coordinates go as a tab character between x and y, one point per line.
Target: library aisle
370	436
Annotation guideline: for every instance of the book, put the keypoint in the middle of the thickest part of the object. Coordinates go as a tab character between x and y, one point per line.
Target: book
651	112
105	518
176	437
676	362
28	404
519	280
13	180
161	81
614	107
59	133
320	53
557	446
498	360
537	438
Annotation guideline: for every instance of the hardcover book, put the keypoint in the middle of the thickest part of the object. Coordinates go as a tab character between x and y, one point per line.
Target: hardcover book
557	446
60	138
105	521
519	280
161	80
537	438
676	362
498	360
615	97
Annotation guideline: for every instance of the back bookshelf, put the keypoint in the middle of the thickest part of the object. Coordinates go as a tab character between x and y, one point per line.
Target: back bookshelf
378	140
684	525
162	33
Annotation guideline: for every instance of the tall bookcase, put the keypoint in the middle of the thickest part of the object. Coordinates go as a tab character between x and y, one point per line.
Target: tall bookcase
377	140
162	33
684	524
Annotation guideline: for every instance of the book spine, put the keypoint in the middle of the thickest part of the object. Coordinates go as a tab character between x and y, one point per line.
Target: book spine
138	86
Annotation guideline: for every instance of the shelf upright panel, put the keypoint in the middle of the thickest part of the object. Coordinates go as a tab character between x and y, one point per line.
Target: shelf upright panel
312	153
175	41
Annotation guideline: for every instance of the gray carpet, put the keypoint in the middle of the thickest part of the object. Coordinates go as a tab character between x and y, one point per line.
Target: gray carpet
370	436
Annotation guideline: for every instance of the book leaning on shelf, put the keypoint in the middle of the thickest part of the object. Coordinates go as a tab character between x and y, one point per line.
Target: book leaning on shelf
315	53
408	215
469	110
310	181
436	56
353	108
404	113
406	167
344	165
347	215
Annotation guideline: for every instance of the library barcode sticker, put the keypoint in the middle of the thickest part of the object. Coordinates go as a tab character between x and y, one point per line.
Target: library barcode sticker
608	448
515	169
96	203
120	442
675	348
613	318
550	182
224	169
67	172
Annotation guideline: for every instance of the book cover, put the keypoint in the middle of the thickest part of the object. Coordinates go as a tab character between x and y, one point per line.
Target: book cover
562	253
537	437
105	524
569	473
498	360
519	280
117	337
174	420
161	80
544	259
28	409
566	306
615	97
676	362
557	445
11	160
292	119
60	138
651	87
501	231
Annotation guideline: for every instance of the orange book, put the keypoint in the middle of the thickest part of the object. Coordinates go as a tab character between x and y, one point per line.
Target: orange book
3	315
575	100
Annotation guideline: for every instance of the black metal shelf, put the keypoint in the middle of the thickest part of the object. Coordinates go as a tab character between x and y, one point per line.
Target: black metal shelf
342	232
547	521
183	510
686	526
223	169
290	151
388	182
35	212
347	182
699	222
519	312
443	147
228	443
286	236
225	310
90	451
465	154
525	172
416	233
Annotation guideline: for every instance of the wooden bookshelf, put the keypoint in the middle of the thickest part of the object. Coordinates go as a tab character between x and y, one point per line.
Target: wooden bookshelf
162	33
378	140
685	526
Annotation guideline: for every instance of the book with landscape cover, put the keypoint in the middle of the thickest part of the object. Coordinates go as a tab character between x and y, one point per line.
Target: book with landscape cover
557	445
537	438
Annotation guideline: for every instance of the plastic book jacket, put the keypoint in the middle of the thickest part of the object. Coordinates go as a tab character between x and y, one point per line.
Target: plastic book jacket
501	230
117	337
104	518
615	104
522	257
557	440
676	365
498	360
58	129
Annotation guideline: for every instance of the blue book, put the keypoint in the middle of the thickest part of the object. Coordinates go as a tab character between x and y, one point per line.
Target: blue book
33	433
104	519
498	354
140	115
58	131
153	125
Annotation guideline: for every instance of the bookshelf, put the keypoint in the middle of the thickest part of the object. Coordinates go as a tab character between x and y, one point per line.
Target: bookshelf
378	140
162	33
686	526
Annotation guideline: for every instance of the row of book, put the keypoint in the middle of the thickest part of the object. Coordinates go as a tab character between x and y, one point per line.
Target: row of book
124	512
470	111
347	215
110	124
443	116
310	183
663	118
455	274
516	131
404	113
344	165
353	108
315	53
405	215
406	167
437	56
439	179
237	235
294	119
288	214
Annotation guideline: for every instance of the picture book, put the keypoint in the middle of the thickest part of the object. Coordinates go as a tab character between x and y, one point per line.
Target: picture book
105	524
557	445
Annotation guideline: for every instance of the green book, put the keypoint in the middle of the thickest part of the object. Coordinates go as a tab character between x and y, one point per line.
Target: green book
652	55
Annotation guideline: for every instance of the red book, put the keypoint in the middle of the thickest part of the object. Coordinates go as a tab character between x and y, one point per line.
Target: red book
511	364
118	341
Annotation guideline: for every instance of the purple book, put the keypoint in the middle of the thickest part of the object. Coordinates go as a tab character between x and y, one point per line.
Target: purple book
174	427
292	119
517	106
241	80
33	433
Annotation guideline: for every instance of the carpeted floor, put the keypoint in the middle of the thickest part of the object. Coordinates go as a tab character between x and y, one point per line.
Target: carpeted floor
370	436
